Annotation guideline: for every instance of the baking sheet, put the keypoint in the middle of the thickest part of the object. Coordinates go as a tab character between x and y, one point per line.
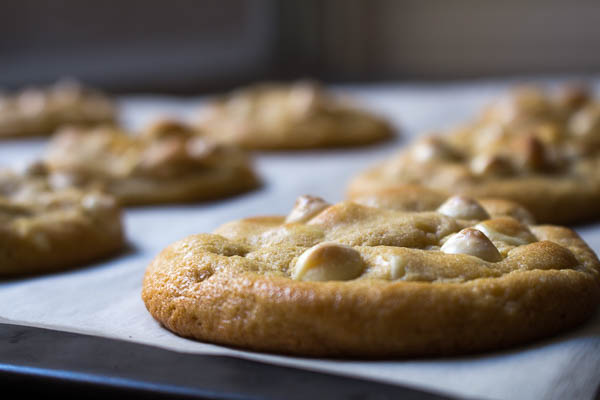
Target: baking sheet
104	299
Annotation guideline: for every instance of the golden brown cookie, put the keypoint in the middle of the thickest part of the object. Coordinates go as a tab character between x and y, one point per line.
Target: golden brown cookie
412	197
166	163
44	229
40	111
539	150
352	280
289	116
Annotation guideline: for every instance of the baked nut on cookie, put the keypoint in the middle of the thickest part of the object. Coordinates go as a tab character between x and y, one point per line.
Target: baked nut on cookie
40	111
540	150
353	280
45	229
289	116
167	162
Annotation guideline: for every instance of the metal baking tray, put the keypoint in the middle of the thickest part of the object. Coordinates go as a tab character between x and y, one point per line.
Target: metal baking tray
43	361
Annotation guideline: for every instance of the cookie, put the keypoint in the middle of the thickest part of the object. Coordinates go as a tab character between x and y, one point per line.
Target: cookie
40	111
353	280
540	150
419	198
166	163
45	229
301	115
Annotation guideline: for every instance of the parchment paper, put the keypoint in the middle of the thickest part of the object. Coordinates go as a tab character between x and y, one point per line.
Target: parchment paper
104	299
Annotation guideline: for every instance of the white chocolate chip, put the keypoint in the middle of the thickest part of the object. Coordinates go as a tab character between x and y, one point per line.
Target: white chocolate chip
585	121
199	147
397	264
328	261
472	242
302	98
240	107
62	180
432	148
463	207
489	134
521	238
31	101
95	202
305	208
504	110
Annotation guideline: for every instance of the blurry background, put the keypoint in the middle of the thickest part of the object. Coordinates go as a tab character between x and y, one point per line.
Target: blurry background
192	46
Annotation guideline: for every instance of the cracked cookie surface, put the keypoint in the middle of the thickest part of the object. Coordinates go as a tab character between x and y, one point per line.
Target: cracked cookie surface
40	111
166	163
293	116
352	280
540	150
44	229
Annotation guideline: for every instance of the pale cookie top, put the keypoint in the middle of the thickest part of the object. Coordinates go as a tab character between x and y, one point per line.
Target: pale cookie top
163	155
347	241
298	115
531	147
413	197
30	196
31	209
40	110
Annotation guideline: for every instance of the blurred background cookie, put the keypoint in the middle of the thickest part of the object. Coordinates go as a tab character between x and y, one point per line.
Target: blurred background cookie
541	150
44	228
419	198
166	163
300	115
35	111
